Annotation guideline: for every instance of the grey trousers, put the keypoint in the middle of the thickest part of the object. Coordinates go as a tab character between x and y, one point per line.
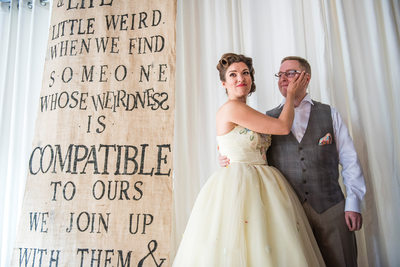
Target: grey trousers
337	244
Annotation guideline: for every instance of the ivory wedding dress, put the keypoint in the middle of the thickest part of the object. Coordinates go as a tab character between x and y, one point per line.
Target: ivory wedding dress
247	214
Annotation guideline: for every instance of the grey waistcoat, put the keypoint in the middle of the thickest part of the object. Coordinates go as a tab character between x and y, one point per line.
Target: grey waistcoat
311	169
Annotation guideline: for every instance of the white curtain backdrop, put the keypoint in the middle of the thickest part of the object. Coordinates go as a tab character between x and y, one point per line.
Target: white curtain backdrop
24	27
353	47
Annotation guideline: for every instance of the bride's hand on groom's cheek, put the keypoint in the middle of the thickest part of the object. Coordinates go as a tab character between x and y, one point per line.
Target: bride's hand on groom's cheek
298	83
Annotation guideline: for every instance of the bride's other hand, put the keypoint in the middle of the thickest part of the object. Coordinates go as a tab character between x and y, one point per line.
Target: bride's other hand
223	161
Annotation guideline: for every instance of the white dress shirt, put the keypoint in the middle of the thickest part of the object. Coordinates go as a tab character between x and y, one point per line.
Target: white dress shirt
353	178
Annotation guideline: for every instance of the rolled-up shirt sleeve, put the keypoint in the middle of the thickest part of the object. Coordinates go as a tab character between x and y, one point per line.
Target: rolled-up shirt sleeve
353	178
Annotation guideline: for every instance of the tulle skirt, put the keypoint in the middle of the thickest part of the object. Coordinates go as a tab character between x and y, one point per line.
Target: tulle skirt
247	215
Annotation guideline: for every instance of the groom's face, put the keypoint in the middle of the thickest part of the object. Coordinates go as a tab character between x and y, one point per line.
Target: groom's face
284	81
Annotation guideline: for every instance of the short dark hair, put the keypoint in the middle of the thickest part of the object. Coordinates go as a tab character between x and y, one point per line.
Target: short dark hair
302	61
229	58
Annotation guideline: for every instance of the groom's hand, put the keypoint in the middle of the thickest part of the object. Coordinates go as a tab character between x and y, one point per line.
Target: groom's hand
223	161
353	220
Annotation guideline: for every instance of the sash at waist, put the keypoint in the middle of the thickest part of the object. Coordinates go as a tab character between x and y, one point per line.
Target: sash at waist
248	158
248	162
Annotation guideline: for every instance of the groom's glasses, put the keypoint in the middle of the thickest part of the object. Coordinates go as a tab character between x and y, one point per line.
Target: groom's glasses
289	73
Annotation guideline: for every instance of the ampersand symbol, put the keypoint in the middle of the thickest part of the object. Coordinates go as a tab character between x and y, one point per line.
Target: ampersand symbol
152	246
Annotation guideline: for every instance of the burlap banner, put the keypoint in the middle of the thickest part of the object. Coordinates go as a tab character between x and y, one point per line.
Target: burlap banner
99	188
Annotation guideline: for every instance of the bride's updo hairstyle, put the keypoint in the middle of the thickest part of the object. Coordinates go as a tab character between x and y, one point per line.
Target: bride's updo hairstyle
229	58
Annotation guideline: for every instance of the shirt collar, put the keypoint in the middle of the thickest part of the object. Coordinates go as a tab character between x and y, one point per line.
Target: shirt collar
307	98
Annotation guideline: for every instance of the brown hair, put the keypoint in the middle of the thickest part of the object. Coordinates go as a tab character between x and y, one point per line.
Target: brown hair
302	61
229	58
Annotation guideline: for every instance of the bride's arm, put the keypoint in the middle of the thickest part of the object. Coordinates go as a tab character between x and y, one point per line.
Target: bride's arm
239	113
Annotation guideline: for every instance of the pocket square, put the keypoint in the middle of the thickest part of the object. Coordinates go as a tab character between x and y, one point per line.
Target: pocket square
326	140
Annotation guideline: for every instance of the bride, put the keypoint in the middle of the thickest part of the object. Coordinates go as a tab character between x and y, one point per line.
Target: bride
247	214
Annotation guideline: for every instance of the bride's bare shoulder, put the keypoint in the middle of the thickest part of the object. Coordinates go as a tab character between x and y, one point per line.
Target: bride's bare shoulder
231	104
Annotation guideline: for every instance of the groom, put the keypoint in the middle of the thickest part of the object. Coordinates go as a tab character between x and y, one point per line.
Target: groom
309	158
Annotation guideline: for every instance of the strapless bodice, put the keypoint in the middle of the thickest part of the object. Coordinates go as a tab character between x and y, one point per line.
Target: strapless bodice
244	146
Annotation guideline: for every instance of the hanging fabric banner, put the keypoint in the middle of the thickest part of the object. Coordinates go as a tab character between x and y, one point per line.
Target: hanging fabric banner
99	188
